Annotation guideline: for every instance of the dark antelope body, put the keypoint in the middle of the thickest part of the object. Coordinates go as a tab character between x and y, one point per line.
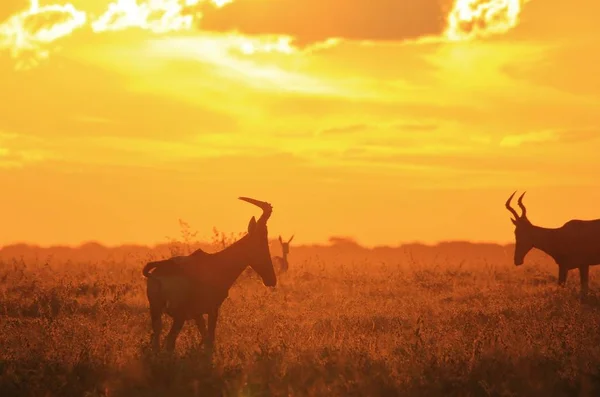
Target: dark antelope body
282	261
576	244
187	287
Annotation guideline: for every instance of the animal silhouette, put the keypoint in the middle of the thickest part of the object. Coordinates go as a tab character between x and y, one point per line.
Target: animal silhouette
187	287
576	244
281	262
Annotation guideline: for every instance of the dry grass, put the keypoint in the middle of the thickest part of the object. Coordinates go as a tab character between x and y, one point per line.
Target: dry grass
336	325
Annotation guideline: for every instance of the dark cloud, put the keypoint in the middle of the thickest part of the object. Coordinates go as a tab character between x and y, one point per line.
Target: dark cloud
310	21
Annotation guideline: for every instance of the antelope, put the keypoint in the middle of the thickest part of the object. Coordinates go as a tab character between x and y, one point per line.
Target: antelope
187	287
282	261
576	244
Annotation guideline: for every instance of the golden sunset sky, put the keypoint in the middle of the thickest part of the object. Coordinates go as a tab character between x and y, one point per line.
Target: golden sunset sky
383	120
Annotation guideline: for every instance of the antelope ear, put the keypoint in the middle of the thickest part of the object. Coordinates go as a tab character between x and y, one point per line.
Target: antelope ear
251	225
513	221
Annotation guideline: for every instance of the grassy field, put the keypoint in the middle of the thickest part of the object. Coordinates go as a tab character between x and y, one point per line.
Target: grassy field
341	322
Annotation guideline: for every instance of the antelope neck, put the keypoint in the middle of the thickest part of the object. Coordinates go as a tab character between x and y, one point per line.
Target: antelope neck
543	239
232	261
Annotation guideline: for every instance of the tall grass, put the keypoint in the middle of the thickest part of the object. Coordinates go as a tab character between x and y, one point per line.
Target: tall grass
338	324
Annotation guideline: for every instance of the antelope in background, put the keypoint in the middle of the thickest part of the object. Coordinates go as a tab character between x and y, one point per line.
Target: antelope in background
187	287
282	261
576	244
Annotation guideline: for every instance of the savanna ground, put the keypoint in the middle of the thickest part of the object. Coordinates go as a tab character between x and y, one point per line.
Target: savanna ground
342	322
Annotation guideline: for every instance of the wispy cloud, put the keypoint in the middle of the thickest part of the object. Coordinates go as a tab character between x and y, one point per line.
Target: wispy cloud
529	138
550	136
18	151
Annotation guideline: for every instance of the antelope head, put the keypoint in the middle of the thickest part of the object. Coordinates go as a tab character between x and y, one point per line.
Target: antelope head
523	230
259	256
285	246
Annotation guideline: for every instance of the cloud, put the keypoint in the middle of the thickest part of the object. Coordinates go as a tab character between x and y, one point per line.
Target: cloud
312	21
27	34
551	136
18	150
32	32
515	140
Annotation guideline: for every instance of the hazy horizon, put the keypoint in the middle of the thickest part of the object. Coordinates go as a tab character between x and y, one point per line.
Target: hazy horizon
333	240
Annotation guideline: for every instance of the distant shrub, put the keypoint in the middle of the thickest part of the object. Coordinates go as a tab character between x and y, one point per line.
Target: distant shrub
221	240
188	241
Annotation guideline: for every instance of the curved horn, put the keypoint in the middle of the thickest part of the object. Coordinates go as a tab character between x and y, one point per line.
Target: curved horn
508	207
520	203
266	207
291	238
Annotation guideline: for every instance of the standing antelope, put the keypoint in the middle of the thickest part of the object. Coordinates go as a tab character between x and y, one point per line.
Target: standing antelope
576	244
187	287
282	261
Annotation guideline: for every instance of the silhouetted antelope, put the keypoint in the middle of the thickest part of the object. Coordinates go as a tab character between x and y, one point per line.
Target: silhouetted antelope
187	287
576	244
282	261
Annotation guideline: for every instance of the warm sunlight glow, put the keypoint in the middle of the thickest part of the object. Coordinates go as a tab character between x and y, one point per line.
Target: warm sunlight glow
157	16
29	34
280	44
477	18
337	174
384	121
30	31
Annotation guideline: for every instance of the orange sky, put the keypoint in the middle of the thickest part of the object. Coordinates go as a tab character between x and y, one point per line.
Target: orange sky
384	120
